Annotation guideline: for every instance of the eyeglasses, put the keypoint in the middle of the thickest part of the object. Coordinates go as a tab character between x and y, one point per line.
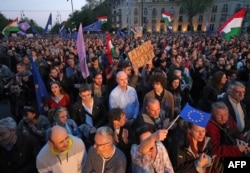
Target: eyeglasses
99	145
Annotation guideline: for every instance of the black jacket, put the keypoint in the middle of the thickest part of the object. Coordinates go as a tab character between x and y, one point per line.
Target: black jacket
22	157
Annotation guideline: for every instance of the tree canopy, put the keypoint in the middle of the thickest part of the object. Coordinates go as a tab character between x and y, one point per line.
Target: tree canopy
194	7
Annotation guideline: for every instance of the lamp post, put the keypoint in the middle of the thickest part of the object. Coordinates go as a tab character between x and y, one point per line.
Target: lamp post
142	13
71	5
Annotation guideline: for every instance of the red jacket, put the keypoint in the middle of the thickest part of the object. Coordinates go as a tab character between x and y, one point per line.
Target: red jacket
222	146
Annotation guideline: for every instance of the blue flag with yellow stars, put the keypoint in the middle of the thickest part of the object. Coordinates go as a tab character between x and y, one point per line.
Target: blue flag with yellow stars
41	92
195	116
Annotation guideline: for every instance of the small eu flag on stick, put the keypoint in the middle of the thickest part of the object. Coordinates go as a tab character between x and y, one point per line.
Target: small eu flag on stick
195	116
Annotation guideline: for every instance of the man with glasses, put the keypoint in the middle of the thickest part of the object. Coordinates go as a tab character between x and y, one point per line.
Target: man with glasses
104	155
63	153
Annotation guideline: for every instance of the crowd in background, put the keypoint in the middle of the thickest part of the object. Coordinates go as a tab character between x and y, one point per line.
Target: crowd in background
122	112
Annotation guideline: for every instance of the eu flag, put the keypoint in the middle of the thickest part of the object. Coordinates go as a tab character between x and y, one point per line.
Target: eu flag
49	22
96	26
41	92
195	116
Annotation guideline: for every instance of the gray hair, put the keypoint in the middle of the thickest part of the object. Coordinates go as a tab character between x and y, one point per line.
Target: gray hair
233	85
218	105
105	131
8	122
58	110
119	74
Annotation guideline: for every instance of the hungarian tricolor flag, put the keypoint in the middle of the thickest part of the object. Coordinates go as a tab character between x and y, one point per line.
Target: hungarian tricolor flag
133	30
103	19
232	26
11	27
110	49
167	17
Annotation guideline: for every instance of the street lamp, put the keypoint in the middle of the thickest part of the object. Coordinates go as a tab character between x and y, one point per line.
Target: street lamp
71	5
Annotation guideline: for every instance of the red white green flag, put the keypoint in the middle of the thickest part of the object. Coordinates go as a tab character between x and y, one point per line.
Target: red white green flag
233	25
110	49
167	17
133	30
103	19
11	27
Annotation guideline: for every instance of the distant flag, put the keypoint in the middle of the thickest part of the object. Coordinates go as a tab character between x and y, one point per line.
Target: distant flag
232	26
62	28
41	92
195	116
133	30
24	26
96	26
103	19
22	33
120	33
11	27
82	53
167	17
110	49
49	22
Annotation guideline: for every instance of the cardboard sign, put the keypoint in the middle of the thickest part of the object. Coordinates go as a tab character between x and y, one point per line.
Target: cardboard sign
142	55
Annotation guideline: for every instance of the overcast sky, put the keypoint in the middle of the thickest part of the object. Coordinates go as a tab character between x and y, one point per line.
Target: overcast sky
39	10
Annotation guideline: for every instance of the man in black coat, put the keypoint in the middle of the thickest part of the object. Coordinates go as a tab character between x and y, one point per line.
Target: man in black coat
17	151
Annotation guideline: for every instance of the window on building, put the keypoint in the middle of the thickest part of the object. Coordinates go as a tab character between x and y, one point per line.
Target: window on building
211	27
225	8
162	28
223	17
180	19
179	28
154	12
162	9
212	18
181	10
154	21
153	28
237	8
135	11
145	11
200	19
171	11
136	20
214	9
199	27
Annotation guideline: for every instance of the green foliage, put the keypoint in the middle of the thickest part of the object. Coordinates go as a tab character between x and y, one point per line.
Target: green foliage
4	21
194	7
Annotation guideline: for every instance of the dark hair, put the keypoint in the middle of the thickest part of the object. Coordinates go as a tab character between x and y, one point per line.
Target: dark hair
97	73
84	88
59	84
216	79
31	109
115	114
159	77
144	128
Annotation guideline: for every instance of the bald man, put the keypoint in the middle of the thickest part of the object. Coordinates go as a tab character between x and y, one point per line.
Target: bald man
63	153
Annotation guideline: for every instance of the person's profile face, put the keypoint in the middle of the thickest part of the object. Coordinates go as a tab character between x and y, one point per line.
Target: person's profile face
60	142
6	136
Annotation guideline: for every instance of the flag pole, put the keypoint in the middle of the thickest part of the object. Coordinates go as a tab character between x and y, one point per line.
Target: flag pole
173	122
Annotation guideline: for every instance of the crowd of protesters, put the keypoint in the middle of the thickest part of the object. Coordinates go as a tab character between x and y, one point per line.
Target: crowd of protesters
117	119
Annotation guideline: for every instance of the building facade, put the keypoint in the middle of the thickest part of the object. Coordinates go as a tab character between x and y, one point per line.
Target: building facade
148	13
